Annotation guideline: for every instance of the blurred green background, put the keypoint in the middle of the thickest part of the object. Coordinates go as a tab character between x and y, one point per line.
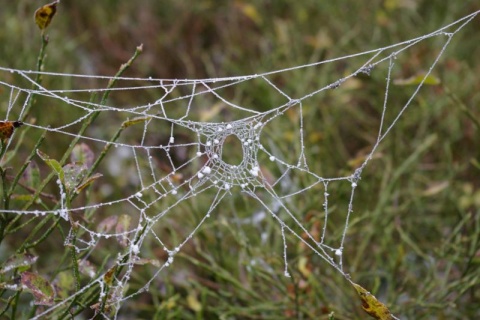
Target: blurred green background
414	240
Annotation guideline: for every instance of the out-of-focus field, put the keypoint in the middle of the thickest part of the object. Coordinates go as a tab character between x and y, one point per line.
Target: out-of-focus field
414	238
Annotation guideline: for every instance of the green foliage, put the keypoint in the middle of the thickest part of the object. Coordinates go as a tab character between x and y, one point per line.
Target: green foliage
414	238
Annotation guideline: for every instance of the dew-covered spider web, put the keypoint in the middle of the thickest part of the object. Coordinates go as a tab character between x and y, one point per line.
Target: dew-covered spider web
181	139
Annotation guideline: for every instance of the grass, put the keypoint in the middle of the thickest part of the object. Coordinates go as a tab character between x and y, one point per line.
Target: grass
414	237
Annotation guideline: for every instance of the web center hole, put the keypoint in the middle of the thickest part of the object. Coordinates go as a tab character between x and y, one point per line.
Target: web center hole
232	150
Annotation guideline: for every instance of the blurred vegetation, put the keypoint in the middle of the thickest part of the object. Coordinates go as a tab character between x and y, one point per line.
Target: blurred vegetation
414	240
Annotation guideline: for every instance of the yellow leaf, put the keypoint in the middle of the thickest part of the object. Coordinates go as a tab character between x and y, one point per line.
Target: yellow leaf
44	15
193	303
435	188
251	12
303	267
417	79
371	305
170	303
108	277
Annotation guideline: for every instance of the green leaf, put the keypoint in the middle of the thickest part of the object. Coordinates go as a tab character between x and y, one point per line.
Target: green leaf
74	174
41	289
22	197
31	176
83	154
53	164
129	123
19	260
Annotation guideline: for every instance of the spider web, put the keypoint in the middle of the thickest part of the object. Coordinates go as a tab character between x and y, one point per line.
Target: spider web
186	138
